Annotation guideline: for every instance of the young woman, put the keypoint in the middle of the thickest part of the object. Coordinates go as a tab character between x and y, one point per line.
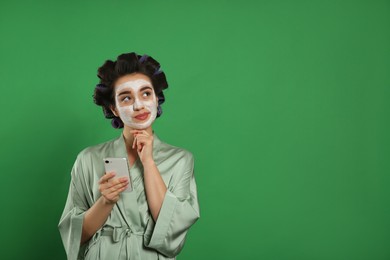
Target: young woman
101	218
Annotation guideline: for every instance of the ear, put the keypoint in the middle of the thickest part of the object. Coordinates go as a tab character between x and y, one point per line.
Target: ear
114	111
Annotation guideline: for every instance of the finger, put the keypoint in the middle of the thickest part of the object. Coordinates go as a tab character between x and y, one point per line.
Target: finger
135	132
143	137
123	188
106	177
135	140
144	141
142	134
146	136
139	132
116	188
139	147
124	179
119	181
116	181
115	196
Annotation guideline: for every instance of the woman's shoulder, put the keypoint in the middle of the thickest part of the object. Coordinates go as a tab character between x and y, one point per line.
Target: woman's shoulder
166	150
97	149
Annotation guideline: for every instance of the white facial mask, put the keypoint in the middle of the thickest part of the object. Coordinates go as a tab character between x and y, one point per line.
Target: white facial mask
138	106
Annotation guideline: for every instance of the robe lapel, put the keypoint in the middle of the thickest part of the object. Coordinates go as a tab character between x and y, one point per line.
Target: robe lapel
127	204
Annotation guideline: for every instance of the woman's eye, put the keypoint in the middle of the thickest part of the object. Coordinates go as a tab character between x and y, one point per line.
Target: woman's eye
126	98
146	94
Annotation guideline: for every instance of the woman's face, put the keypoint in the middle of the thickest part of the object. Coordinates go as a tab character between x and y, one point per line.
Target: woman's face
135	101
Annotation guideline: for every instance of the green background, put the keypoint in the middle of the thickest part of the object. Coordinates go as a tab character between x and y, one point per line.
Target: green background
285	105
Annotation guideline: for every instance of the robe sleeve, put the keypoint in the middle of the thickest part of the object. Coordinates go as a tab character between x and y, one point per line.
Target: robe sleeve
71	222
179	211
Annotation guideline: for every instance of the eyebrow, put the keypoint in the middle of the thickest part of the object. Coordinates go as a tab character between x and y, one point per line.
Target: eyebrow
146	87
124	92
129	92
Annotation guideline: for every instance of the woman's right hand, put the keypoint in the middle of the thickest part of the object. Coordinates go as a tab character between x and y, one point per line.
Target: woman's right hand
111	187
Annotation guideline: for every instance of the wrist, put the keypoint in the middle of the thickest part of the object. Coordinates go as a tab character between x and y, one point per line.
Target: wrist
106	203
148	163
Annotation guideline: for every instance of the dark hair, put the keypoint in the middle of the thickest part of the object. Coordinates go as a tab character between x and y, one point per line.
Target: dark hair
125	64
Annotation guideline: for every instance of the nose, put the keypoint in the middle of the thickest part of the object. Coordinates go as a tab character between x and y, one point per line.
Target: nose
138	105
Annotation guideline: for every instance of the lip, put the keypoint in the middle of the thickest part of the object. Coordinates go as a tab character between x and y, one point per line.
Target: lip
142	116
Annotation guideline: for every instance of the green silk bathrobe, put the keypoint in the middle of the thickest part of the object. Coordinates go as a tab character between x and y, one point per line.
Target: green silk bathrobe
130	231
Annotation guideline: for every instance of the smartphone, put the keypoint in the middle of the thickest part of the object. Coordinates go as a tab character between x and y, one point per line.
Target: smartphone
121	169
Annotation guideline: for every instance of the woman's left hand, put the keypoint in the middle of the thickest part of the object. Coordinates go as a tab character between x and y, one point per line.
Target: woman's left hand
143	142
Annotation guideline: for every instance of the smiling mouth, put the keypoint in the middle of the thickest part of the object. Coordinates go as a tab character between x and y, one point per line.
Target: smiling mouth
142	116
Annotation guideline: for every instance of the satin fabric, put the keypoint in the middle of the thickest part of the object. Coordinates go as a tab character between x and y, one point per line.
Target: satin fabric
130	231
